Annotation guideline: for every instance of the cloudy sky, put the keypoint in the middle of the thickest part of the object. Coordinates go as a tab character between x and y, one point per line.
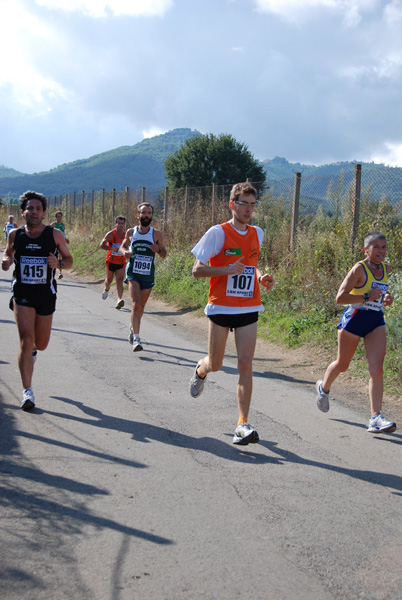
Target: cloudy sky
314	81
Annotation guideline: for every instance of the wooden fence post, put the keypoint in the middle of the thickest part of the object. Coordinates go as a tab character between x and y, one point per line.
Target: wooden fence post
74	201
127	201
103	204
114	205
295	211
82	205
213	203
357	180
143	194
166	210
185	203
92	204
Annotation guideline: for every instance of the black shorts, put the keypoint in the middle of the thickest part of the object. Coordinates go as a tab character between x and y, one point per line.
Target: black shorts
114	267
234	321
43	306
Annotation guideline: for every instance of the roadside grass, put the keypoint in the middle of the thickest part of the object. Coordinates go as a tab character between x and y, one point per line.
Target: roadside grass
89	260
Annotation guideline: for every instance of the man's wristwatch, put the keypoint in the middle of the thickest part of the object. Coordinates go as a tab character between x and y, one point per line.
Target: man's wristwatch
61	264
366	297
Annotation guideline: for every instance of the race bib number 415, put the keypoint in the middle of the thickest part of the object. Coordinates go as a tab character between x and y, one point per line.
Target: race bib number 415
33	269
242	285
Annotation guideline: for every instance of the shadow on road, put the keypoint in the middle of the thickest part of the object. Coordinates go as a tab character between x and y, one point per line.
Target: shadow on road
146	433
41	510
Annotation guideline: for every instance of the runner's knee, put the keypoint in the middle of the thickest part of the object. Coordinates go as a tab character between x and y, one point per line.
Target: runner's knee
376	371
244	365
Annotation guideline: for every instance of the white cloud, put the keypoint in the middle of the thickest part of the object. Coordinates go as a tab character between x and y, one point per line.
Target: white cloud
387	67
320	92
152	132
392	155
22	33
103	8
299	11
393	13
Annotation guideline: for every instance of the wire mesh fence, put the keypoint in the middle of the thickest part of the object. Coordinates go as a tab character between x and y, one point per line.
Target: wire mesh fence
333	201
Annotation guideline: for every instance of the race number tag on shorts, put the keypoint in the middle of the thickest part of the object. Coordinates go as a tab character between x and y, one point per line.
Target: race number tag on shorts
33	269
377	304
116	250
242	285
142	264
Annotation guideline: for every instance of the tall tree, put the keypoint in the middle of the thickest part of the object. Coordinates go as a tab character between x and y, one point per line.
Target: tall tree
204	160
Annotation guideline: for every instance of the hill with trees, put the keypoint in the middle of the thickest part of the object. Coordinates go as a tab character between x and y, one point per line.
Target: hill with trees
133	166
280	168
143	164
7	172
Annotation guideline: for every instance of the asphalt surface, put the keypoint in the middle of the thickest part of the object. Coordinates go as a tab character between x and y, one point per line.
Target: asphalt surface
119	485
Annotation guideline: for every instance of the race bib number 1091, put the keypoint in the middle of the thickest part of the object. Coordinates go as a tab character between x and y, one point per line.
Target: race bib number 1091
33	269
242	285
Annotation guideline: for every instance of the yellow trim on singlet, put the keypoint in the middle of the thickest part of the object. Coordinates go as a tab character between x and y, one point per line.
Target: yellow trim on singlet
370	279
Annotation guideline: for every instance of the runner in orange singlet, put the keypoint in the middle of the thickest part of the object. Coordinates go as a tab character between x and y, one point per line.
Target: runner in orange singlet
232	251
115	261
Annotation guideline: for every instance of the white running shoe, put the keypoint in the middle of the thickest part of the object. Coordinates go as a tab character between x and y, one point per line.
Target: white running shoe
245	434
197	382
322	397
28	400
104	294
379	424
137	347
120	304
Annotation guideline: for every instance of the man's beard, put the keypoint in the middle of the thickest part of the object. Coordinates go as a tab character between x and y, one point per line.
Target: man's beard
145	221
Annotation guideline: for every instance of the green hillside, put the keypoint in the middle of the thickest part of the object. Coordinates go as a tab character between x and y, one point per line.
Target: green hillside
143	165
280	168
6	172
133	166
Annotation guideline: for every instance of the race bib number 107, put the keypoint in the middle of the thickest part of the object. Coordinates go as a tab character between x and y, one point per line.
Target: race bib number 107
242	285
33	269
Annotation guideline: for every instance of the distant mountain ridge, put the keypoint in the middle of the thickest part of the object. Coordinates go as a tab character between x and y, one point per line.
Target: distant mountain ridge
139	165
280	168
133	166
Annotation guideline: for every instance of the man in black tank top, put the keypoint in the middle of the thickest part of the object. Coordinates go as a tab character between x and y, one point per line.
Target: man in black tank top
33	249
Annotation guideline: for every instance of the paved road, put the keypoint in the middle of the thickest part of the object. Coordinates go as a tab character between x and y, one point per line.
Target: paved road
120	486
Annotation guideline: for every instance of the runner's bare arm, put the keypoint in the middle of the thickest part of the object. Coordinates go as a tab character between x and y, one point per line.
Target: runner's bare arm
125	247
104	245
202	270
8	254
64	253
159	246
